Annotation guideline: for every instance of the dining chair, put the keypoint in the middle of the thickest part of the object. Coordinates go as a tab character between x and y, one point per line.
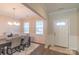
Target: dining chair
15	45
2	42
25	42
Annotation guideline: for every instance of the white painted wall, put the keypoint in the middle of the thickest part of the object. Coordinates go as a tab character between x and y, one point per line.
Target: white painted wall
71	15
4	27
32	29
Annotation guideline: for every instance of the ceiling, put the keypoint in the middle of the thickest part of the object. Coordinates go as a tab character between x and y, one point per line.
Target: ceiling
52	7
21	11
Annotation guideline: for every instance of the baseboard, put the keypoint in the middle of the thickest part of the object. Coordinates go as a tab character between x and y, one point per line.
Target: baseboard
37	43
60	46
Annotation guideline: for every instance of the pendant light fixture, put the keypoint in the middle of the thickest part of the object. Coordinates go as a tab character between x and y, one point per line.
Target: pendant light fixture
14	23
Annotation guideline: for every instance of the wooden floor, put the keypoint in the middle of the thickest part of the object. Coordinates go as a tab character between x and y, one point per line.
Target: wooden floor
45	51
38	49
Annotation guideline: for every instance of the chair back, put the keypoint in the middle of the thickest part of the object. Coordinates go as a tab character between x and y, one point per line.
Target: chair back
26	39
15	41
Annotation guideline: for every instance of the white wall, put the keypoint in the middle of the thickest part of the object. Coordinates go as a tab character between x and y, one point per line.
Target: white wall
4	27
32	31
71	15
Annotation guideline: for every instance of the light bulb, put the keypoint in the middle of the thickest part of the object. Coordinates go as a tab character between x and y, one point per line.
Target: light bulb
17	24
9	23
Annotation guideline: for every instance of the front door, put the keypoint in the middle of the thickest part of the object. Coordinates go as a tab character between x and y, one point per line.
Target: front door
61	32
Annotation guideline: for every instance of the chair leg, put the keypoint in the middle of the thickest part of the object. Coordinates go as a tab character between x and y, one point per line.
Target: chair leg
9	51
18	49
22	47
0	51
28	44
3	50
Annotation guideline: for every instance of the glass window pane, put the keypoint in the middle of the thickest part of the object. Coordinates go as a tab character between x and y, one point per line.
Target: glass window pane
39	27
26	27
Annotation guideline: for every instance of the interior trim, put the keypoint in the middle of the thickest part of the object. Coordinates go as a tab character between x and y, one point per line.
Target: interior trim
33	10
60	46
37	43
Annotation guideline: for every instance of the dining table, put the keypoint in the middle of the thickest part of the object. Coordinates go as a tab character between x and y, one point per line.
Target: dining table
4	44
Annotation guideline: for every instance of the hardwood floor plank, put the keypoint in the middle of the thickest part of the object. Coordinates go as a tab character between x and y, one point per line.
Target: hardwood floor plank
45	51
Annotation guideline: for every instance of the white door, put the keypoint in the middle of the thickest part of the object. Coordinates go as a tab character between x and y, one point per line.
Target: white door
61	32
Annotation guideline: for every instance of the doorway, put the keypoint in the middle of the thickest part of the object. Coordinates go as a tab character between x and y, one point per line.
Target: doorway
61	32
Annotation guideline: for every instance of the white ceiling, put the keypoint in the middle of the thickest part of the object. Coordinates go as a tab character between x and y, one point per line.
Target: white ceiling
20	10
52	7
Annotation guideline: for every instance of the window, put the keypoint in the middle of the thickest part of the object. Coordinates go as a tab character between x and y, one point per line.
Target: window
61	24
26	27
39	27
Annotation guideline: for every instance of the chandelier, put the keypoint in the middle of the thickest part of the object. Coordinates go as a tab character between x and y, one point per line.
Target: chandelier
14	23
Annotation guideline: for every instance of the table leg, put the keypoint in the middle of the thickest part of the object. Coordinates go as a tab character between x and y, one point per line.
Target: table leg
0	51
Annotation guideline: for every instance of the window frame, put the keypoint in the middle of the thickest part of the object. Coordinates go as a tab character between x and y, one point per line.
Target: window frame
42	28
